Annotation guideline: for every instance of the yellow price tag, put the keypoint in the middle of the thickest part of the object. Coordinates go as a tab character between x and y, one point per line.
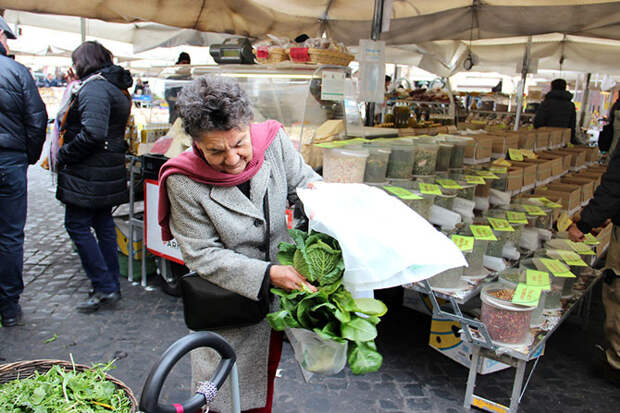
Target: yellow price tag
534	210
571	258
401	193
548	203
501	162
516	217
581	248
471	179
482	232
499	169
486	174
429	189
499	224
527	295
557	268
465	244
538	279
449	184
591	239
515	154
564	222
528	154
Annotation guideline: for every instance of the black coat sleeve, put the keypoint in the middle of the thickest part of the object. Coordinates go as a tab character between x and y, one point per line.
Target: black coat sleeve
573	122
35	118
606	201
542	115
94	109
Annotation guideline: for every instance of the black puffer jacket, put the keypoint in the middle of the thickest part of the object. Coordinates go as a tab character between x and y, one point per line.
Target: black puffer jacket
558	111
606	201
23	118
91	162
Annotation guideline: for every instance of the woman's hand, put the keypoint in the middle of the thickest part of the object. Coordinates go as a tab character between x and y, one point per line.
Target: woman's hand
287	277
575	234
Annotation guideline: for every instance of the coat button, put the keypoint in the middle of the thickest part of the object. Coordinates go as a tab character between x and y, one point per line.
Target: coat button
258	222
262	249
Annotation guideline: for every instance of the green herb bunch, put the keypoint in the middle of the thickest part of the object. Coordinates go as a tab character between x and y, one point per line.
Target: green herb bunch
61	390
331	312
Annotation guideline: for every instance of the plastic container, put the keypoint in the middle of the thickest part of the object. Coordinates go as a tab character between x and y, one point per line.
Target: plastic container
425	157
444	154
377	163
553	299
495	248
403	183
422	206
562	244
507	323
344	165
445	200
514	276
449	279
457	159
475	258
400	163
567	289
468	191
402	113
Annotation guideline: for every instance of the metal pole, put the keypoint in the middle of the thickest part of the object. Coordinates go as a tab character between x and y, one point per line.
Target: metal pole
83	28
584	101
521	91
375	32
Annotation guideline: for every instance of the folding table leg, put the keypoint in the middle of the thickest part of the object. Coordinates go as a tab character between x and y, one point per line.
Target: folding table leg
517	386
471	378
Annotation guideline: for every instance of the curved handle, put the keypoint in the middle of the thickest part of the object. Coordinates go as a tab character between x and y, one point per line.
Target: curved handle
149	402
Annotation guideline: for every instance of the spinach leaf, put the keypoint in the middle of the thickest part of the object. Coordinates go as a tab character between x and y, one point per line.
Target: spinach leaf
363	357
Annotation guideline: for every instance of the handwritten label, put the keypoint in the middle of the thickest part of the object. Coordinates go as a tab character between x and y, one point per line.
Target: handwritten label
402	193
499	169
499	224
528	153
429	189
465	244
534	210
482	232
564	222
449	184
548	203
581	248
487	174
527	295
557	268
591	239
571	258
516	217
515	154
538	279
471	179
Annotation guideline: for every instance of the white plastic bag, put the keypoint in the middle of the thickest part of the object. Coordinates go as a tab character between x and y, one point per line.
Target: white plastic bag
316	354
384	243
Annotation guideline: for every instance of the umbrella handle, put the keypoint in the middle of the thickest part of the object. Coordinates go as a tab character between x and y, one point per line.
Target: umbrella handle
149	402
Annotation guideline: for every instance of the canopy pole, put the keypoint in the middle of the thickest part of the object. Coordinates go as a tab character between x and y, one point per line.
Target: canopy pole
83	28
584	101
521	91
375	32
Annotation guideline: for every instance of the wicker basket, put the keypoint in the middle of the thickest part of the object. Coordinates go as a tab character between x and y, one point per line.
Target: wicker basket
324	57
274	55
25	369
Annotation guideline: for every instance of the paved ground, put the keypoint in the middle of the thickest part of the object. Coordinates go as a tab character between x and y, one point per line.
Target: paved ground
414	377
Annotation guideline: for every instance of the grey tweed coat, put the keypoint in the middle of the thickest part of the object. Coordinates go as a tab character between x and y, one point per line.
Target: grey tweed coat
220	231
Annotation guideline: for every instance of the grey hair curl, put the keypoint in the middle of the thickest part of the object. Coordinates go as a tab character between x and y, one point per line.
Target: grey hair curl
213	103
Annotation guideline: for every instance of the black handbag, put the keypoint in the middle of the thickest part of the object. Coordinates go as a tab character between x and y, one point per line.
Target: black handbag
207	306
605	137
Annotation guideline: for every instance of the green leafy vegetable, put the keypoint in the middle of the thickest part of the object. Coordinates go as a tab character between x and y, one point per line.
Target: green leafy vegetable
331	312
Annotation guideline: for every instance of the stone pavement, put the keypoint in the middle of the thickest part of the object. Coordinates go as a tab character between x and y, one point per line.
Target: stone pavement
414	377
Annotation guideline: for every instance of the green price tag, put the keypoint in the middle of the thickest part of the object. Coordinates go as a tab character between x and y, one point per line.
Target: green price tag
515	154
591	239
487	174
548	203
571	258
557	268
499	169
538	279
449	184
534	210
527	295
471	179
429	189
580	248
402	193
516	217
499	224
465	244
482	232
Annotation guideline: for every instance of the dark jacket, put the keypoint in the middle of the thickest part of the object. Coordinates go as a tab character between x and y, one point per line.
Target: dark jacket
23	119
606	201
91	162
558	111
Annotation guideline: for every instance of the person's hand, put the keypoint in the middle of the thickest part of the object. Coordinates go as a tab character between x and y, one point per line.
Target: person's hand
575	234
288	278
71	76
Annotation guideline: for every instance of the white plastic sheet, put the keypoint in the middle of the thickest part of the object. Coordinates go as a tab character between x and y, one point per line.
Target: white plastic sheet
384	242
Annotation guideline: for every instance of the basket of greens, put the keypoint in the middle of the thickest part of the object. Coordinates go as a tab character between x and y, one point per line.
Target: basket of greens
331	314
47	386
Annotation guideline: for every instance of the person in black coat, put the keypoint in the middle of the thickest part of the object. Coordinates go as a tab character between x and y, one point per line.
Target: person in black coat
23	122
91	167
557	109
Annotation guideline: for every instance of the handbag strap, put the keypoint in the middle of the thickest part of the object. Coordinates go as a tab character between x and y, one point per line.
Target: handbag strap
267	226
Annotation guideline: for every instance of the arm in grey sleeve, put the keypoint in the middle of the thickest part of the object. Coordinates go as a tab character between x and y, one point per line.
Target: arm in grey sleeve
201	246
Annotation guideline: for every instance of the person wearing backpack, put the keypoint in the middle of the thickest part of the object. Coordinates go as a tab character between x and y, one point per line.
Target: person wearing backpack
23	122
92	177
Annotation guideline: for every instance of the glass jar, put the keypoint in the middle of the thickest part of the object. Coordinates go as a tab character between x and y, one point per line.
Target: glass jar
507	323
400	163
344	165
457	158
425	157
402	113
444	154
377	163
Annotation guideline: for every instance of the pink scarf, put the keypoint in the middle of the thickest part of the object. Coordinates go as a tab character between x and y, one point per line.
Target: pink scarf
193	165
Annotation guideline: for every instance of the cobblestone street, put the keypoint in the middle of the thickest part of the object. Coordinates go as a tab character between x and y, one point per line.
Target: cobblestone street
414	377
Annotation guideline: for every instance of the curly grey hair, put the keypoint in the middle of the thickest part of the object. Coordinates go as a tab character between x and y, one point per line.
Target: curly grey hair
213	103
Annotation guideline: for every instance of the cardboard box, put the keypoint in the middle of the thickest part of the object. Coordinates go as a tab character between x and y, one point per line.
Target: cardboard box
593	155
566	158
543	169
529	172
604	237
122	237
542	140
579	160
587	186
570	194
512	180
527	139
479	149
557	163
591	175
556	136
508	140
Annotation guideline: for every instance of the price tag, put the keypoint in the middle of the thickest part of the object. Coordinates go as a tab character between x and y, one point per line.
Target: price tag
528	153
429	189
557	268
402	193
499	169
471	179
516	217
515	154
527	295
534	210
487	174
499	224
591	239
548	203
482	232
449	184
581	248
538	279
465	244
571	258
333	144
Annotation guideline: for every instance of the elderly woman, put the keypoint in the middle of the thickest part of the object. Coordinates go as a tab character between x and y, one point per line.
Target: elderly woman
216	196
